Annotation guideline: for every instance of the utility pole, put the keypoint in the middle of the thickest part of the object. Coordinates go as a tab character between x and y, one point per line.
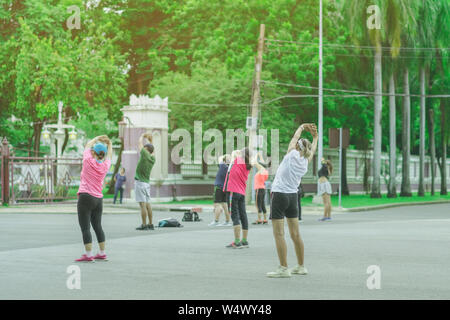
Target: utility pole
320	152
255	107
256	91
316	198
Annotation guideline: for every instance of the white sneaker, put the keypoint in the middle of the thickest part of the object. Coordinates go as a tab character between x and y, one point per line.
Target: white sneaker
213	224
281	272
298	269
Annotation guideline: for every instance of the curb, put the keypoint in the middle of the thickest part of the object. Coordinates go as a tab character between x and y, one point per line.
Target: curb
393	205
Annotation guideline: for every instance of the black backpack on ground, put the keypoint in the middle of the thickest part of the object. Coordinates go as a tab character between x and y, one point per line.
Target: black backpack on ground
191	216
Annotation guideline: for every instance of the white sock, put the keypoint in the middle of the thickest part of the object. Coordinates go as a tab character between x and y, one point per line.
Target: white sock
102	252
89	253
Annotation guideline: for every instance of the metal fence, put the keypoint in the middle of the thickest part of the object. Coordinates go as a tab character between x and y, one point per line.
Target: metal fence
38	179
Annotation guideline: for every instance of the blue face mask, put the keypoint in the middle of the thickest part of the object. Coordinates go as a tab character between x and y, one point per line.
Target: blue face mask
100	161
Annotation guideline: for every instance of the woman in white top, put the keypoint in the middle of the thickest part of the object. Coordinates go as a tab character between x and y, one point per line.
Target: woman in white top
285	199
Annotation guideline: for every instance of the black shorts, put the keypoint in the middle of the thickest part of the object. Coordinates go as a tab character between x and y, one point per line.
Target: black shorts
283	205
219	195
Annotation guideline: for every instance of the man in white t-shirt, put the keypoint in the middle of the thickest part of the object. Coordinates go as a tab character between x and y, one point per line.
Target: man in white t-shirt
284	201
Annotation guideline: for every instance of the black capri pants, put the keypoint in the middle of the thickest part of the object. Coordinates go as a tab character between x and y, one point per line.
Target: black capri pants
238	214
90	212
260	200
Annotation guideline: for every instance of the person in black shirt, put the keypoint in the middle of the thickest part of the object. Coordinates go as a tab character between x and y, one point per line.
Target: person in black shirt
324	188
221	198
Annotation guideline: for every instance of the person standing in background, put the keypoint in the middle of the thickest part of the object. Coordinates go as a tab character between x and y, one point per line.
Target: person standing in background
237	183
142	180
324	188
120	180
260	189
221	197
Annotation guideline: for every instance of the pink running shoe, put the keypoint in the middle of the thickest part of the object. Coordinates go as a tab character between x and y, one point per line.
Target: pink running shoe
101	257
85	258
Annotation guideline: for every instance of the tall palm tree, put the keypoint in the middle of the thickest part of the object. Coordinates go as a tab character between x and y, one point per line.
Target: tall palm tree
392	190
407	39
442	30
426	27
394	13
405	190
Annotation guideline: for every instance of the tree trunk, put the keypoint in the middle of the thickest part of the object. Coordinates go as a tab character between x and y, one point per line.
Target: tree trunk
444	149
406	135
66	141
392	191
344	183
37	138
366	173
432	147
421	191
376	191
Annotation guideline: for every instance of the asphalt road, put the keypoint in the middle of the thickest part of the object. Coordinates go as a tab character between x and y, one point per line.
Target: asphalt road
410	245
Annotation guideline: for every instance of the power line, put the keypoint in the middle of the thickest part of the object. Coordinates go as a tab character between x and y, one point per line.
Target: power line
344	96
354	55
356	91
353	46
209	104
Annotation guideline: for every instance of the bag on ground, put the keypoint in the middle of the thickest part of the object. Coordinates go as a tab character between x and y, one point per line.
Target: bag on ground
171	222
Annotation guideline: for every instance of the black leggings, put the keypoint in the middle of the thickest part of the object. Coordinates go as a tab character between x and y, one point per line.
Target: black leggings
90	212
260	200
238	214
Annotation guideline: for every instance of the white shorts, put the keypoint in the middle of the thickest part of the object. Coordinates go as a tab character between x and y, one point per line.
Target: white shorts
324	187
142	191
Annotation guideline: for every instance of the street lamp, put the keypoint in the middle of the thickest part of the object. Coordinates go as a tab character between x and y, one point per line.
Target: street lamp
46	135
72	135
58	133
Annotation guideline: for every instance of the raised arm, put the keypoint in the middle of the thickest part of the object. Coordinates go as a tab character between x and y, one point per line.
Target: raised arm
91	143
143	136
254	162
295	138
313	131
141	142
234	155
105	140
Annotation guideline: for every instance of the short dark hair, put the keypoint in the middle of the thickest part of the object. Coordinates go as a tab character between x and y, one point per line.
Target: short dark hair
149	147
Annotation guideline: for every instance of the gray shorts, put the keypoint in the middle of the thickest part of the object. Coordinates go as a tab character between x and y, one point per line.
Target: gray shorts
324	187
142	191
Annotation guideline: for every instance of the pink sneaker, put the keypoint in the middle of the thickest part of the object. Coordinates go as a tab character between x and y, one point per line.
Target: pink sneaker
101	257
85	258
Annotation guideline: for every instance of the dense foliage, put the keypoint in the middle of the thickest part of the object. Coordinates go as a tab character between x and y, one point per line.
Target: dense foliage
203	52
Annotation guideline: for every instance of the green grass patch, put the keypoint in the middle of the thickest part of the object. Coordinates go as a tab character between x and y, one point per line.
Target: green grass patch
363	200
352	201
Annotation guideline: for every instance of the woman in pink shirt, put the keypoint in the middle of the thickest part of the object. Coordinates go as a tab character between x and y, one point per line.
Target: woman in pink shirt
237	183
96	163
260	190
